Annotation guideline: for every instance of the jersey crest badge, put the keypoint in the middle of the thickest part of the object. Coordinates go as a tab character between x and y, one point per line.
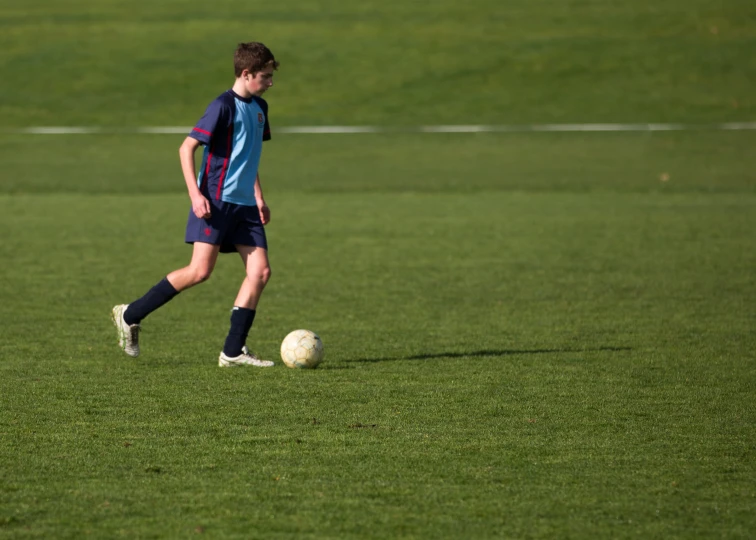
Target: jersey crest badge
260	118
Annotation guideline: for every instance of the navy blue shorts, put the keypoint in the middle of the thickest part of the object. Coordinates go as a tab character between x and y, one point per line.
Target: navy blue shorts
229	224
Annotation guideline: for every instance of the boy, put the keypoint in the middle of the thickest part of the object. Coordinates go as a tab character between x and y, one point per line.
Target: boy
228	208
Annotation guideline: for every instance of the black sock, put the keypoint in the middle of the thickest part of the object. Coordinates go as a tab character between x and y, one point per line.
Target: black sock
241	322
157	296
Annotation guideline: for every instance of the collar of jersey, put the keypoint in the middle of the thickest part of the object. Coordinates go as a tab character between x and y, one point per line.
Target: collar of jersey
237	96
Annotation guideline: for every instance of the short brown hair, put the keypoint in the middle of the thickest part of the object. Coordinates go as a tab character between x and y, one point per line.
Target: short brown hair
253	57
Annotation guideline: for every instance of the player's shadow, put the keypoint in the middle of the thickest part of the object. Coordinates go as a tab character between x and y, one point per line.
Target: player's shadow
489	353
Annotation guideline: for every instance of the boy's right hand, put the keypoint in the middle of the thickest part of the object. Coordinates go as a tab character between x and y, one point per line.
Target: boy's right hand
201	207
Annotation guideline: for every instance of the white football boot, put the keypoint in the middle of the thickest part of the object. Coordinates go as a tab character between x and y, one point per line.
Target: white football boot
246	358
128	335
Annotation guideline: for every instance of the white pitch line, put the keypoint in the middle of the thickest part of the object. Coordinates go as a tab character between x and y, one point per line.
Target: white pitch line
319	130
738	126
331	129
165	130
612	127
463	129
42	130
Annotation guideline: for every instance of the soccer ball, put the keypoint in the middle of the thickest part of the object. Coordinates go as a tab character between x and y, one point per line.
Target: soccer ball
302	349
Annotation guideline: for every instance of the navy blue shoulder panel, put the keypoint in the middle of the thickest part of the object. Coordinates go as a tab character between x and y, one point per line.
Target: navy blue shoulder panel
264	106
215	123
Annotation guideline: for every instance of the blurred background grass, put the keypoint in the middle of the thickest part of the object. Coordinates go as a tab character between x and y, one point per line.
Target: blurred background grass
119	63
692	161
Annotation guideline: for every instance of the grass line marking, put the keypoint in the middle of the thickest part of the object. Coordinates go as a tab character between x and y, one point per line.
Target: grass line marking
319	130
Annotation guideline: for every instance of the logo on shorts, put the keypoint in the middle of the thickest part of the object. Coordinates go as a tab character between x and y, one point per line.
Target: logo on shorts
208	231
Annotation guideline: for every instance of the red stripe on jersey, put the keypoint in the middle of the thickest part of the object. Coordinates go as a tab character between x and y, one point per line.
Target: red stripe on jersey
225	166
202	131
207	168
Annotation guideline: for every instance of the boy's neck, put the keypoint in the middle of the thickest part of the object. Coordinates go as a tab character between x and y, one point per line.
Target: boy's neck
240	89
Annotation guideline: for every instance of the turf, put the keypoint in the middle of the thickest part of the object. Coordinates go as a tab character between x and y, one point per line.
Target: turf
500	362
527	335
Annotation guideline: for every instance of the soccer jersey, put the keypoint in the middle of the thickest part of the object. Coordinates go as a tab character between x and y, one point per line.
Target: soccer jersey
232	131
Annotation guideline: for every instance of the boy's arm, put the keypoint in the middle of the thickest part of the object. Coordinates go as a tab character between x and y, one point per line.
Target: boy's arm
200	205
261	206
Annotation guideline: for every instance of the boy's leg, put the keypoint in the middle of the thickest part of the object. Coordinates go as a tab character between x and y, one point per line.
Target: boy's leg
257	268
199	269
127	317
204	257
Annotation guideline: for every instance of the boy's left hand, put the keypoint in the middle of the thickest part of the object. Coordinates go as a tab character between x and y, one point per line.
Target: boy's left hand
264	213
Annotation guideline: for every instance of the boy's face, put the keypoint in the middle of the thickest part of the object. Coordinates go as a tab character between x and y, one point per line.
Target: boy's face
258	83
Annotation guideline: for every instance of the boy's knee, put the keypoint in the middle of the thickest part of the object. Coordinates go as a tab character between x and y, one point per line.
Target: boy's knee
265	274
259	275
201	274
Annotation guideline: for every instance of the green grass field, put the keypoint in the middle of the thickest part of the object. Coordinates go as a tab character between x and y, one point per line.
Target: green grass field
528	335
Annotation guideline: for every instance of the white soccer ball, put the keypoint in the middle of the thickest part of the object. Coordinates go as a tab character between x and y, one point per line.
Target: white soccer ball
302	349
